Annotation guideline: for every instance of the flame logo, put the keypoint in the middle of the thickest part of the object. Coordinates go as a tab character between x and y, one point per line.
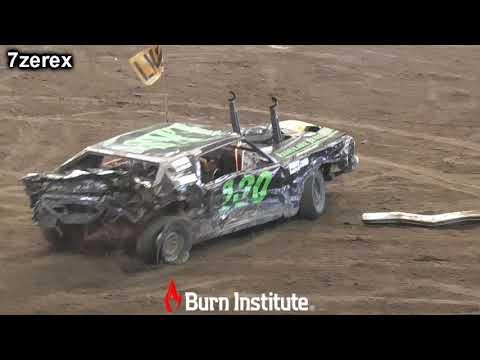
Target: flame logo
172	294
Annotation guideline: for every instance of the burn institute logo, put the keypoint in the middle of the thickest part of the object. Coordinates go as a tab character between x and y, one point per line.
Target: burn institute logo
172	295
271	302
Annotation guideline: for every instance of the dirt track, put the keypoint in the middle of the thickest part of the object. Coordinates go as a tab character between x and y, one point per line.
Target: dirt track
414	111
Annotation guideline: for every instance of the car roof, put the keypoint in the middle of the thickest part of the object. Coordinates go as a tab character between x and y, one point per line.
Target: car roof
164	141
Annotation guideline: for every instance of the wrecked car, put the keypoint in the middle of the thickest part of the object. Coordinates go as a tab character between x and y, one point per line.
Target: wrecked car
172	185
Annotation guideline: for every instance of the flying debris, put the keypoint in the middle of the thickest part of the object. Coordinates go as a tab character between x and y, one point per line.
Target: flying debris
420	219
148	64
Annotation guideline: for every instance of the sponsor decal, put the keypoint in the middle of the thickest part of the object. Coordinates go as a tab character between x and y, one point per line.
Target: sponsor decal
265	302
296	165
322	135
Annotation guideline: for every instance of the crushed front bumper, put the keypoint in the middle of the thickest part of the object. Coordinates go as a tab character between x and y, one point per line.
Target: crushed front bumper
51	210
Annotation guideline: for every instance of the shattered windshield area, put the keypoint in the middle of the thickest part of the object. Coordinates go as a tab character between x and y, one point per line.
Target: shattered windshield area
161	140
140	168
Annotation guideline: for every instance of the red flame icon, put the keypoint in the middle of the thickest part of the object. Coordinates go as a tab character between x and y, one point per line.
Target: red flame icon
172	294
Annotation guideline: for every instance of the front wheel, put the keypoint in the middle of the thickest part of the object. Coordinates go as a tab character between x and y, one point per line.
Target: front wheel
313	199
167	240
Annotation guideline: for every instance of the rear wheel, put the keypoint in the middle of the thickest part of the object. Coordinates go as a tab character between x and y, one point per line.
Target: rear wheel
313	199
167	240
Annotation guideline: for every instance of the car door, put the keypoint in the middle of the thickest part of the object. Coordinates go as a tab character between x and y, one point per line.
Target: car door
250	196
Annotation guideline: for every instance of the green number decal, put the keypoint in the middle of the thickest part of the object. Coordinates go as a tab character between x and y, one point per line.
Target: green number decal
228	191
260	190
246	185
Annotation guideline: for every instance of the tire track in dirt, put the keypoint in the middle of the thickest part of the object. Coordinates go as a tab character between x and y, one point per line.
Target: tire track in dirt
428	176
397	132
64	119
451	288
360	180
349	263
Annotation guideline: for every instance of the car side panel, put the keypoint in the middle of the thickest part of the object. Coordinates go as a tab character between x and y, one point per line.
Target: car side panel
245	199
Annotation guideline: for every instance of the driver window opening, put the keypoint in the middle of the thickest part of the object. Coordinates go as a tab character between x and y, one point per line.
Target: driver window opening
231	158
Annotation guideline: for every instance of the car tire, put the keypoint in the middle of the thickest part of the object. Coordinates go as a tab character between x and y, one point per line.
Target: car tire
313	199
167	240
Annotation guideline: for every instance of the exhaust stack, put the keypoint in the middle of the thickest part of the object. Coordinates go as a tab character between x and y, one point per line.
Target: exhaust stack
276	132
234	116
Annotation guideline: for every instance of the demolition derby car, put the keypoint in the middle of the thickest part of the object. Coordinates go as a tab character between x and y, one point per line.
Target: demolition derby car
167	187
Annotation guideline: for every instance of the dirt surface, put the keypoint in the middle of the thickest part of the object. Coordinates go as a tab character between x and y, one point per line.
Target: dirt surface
414	111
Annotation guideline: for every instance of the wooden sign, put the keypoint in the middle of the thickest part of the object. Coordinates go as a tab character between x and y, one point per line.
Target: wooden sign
148	65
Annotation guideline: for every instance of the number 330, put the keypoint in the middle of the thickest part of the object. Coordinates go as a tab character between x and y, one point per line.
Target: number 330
258	189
